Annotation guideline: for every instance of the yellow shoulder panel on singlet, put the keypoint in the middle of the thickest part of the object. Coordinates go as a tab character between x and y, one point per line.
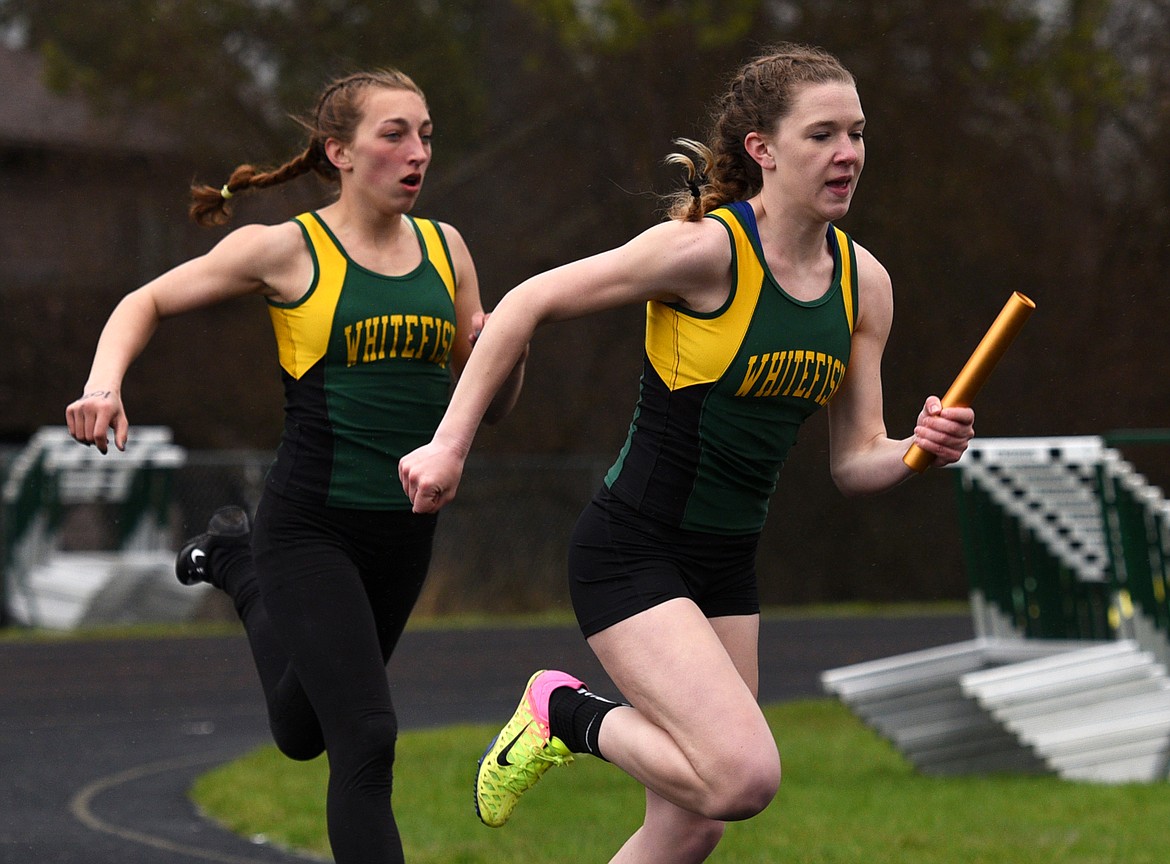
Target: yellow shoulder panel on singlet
694	348
302	328
846	274
437	252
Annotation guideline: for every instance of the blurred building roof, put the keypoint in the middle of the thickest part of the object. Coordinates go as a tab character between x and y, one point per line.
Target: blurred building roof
31	115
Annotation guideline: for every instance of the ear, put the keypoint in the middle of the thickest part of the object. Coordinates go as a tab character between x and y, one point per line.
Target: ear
760	149
338	154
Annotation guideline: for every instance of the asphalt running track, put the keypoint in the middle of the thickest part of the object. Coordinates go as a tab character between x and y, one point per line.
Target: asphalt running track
100	740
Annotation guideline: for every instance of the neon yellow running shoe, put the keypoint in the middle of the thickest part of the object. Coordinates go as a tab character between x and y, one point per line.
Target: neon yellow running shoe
520	754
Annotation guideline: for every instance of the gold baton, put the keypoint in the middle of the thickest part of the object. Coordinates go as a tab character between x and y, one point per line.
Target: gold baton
978	367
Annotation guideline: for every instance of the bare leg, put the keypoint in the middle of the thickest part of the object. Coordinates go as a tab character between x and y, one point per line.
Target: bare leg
670	833
694	734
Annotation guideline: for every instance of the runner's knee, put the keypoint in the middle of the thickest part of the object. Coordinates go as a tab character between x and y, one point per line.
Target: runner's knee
301	744
367	742
745	790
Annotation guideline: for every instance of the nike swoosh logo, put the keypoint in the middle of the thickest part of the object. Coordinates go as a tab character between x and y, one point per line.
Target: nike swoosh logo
502	759
197	557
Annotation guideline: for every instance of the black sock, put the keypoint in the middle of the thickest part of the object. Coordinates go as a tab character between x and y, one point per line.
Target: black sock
575	717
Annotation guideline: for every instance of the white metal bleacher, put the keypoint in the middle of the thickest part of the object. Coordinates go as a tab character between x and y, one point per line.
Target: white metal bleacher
1015	698
63	588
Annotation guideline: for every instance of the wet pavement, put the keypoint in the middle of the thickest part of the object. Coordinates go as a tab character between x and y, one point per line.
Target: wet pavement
101	739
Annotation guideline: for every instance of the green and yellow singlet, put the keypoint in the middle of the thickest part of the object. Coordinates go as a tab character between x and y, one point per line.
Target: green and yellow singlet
723	394
363	359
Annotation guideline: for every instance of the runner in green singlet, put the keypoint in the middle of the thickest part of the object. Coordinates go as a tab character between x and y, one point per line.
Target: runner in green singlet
373	311
759	311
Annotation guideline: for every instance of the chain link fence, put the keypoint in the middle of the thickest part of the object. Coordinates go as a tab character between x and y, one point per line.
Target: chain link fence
501	544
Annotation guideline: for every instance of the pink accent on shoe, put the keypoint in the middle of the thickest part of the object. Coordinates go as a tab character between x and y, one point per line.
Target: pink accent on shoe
542	687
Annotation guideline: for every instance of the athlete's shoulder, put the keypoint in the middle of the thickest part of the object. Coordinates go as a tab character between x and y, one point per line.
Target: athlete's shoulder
274	255
456	250
448	232
259	233
696	243
688	262
260	242
875	294
870	270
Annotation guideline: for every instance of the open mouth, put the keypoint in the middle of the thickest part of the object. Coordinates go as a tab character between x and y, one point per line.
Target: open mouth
412	181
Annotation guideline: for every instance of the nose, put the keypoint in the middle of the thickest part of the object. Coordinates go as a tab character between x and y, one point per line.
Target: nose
419	150
848	152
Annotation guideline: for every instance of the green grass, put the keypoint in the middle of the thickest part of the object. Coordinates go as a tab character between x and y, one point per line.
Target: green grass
464	621
847	796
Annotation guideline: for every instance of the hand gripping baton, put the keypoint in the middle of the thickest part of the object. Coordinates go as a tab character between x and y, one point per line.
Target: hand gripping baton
978	367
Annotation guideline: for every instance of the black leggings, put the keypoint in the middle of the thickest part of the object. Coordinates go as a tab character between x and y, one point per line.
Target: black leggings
324	607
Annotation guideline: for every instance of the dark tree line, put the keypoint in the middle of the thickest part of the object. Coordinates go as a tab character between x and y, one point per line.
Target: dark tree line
1010	146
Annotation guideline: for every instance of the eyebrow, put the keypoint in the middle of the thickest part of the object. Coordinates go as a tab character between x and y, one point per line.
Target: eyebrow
402	121
833	124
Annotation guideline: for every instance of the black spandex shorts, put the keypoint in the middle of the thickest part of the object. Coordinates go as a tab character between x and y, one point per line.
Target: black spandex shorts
622	563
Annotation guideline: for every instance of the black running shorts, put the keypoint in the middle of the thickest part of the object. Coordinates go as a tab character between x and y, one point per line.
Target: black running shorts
622	563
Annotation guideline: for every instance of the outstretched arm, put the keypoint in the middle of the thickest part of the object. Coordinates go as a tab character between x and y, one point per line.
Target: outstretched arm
470	320
683	262
249	260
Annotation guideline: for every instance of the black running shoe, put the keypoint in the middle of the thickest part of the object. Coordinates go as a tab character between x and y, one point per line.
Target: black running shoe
228	526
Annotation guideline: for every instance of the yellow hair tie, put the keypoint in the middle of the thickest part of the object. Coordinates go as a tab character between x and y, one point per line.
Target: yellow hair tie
225	192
